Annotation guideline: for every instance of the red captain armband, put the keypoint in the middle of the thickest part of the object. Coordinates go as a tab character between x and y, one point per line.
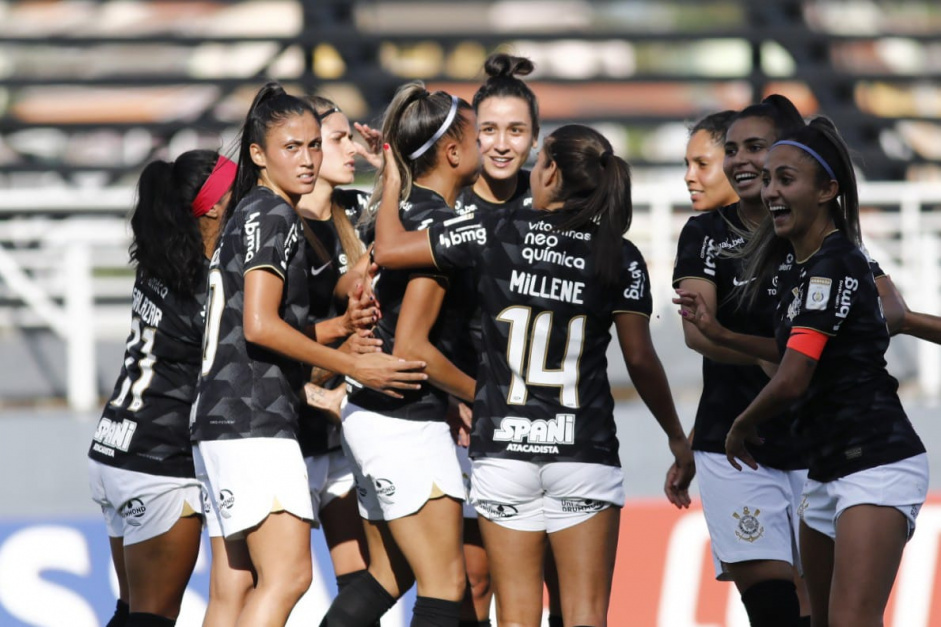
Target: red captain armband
808	342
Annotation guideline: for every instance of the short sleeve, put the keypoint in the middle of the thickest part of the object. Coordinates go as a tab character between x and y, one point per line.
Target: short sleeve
696	254
459	242
874	266
633	295
828	294
270	235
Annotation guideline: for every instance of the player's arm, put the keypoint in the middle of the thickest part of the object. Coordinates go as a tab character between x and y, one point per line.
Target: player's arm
789	383
395	247
699	342
900	319
420	308
650	380
265	327
694	310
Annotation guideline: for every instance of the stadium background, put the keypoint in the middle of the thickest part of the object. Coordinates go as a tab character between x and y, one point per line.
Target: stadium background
90	91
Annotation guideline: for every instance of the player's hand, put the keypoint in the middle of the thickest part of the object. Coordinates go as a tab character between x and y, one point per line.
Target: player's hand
385	373
362	342
680	474
459	420
372	151
735	448
391	177
362	311
694	309
328	401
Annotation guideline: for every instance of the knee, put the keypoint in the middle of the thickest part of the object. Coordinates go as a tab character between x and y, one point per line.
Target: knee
479	582
230	587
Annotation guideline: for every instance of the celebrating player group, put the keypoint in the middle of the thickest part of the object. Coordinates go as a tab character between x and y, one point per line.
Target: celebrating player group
421	371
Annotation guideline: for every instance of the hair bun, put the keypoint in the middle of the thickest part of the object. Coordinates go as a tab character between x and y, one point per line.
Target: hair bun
502	65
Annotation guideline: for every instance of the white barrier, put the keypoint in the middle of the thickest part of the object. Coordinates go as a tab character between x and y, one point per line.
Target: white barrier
63	261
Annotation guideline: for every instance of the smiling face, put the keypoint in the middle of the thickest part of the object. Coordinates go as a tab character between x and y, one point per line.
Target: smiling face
705	179
339	151
506	136
746	146
792	193
291	157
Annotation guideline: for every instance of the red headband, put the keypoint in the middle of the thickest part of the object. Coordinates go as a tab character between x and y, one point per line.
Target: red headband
215	187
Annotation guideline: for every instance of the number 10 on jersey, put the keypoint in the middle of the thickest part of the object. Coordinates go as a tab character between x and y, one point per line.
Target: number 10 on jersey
529	367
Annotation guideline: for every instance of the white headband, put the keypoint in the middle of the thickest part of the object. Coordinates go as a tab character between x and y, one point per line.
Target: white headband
441	131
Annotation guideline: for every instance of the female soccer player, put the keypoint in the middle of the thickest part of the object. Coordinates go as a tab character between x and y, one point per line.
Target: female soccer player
868	471
705	178
550	282
246	412
752	517
337	260
508	128
407	472
141	462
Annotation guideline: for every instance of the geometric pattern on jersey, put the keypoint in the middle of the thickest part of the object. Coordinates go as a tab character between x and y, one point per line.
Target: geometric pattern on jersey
702	253
423	208
316	434
468	201
542	385
145	425
245	390
850	415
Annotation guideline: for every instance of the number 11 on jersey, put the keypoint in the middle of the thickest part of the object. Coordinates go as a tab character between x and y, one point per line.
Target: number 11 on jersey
535	372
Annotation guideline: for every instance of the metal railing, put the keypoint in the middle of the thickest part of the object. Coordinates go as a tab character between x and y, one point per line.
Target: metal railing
63	263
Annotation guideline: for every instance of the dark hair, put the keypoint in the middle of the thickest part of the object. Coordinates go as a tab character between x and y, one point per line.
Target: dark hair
777	108
349	240
412	118
822	137
502	70
716	124
596	188
167	242
271	106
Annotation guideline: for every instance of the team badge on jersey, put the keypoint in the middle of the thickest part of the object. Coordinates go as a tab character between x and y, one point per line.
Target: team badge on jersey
133	511
795	307
818	293
749	527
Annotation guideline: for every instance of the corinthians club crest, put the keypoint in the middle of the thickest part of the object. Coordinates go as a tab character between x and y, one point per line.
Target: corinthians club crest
749	527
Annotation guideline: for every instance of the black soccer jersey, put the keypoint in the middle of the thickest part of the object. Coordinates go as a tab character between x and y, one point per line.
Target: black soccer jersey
542	385
468	201
423	208
851	412
702	253
244	389
316	434
145	425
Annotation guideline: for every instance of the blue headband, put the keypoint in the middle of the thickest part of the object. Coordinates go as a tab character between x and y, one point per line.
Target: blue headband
441	131
810	151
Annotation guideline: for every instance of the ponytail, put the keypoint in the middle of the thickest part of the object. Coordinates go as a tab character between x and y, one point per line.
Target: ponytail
167	243
413	123
596	189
